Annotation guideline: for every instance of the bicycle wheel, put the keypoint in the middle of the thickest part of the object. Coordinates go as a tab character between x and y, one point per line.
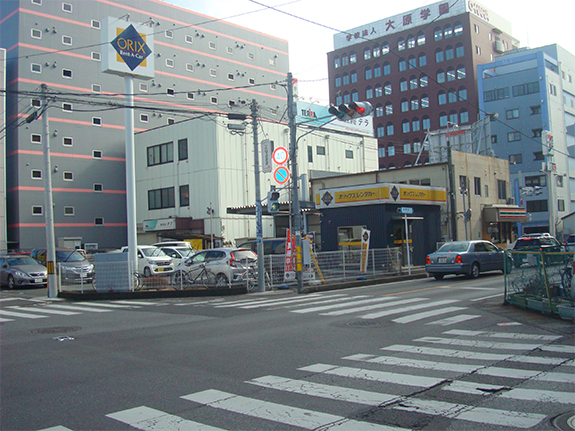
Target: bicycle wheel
208	279
137	281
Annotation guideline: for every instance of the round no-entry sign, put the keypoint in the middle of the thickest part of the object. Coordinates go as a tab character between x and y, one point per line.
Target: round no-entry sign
280	155
281	175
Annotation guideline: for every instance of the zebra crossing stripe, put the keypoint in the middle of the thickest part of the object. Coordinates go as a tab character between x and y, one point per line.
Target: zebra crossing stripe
407	309
538	395
132	302
346	304
294	416
556	377
148	419
415	363
472	414
5	320
281	302
56	428
424	315
269	302
372	375
77	308
372	307
22	315
480	344
45	310
558	349
512	335
453	320
320	390
108	305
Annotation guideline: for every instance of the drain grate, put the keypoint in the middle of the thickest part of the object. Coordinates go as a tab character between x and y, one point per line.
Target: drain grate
56	330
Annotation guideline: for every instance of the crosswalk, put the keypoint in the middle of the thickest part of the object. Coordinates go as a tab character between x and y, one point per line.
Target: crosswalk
406	382
42	309
367	307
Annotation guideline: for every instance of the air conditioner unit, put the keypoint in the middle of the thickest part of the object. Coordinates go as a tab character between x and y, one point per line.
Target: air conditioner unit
499	47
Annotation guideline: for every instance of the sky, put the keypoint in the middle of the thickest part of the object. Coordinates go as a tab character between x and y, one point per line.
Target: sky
534	23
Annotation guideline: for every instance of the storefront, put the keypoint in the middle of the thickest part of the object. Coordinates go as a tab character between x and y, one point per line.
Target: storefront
499	223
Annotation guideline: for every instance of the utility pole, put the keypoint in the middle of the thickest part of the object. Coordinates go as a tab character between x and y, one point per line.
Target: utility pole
452	212
259	241
295	191
48	202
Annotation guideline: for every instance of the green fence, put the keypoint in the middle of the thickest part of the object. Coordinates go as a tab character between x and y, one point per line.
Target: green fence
542	281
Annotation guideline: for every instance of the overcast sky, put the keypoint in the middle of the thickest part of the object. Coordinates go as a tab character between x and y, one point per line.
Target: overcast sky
534	23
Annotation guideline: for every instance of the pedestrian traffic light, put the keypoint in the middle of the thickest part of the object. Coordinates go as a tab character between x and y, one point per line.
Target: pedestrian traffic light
273	204
351	111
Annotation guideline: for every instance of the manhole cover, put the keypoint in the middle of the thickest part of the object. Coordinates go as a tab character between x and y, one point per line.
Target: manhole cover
565	422
56	330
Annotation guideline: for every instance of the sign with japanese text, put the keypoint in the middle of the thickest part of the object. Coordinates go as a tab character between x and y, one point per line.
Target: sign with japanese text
318	116
365	234
266	149
127	48
425	15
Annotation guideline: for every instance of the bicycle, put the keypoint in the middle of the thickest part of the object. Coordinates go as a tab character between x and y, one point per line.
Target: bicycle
185	278
250	277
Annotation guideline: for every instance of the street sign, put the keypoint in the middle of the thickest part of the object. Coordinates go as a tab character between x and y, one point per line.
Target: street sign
405	210
280	155
266	149
281	175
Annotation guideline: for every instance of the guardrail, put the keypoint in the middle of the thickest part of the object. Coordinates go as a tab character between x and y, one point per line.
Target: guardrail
542	281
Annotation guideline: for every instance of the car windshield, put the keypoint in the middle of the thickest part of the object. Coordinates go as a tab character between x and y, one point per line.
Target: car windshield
20	261
153	252
69	256
458	246
244	255
186	252
527	243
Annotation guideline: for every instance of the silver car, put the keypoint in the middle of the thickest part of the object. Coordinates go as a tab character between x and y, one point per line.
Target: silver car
19	270
468	258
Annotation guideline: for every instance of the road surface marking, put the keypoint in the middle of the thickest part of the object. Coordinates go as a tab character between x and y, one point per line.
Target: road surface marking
512	335
294	416
485	389
6	320
372	307
453	320
280	302
132	303
146	418
45	310
262	302
78	308
426	314
379	314
105	304
56	428
23	315
472	414
346	304
480	344
378	376
415	363
338	393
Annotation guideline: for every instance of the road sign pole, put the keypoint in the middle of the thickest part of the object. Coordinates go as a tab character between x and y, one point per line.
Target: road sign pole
259	241
407	244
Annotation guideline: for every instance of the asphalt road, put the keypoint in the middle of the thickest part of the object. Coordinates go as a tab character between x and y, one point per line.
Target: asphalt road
422	354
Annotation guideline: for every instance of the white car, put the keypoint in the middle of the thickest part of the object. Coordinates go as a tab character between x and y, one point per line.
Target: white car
178	254
152	261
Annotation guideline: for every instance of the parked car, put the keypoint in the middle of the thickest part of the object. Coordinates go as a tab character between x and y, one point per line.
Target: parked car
274	247
228	264
178	254
152	260
468	258
570	243
539	243
71	264
21	270
184	244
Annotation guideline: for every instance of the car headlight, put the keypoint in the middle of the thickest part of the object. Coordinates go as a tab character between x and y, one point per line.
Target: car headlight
150	262
20	274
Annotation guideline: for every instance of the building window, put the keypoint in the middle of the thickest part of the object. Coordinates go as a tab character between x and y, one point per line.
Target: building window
379	90
67	7
189	67
98	221
67	107
502	190
423	81
420	39
413	83
96	56
67	142
36	33
36	174
523	89
229	50
97	154
36	138
405	126
190	96
387	88
96	121
461	72
185	196
160	154
348	154
67	73
96	88
391	150
170	62
143	87
407	148
422	59
189	38
183	149
403	84
309	154
161	198
437	34
96	24
404	105
66	40
389	130
387	68
496	94
402	64
401	44
169	34
37	210
426	123
320	150
535	110
69	211
388	108
459	51
37	2
144	118
442	119
440	77
98	188
539	206
442	98
560	205
477	50
477	186
381	152
170	92
369	93
516	159
537	133
449	53
439	56
513	136
464	116
36	68
68	176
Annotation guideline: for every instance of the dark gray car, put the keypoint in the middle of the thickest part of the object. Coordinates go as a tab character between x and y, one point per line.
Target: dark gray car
21	270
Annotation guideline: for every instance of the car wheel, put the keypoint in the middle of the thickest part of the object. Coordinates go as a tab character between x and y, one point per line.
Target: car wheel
147	272
438	276
221	280
11	282
474	271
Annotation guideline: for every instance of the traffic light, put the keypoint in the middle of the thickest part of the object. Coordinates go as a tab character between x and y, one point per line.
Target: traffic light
351	111
273	204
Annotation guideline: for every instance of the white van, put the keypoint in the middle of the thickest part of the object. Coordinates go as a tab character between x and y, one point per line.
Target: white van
152	261
185	244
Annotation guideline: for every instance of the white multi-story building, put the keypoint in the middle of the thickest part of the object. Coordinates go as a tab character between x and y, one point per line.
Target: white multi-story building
186	168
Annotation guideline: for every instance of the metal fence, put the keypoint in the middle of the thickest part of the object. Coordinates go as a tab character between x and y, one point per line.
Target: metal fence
542	281
325	267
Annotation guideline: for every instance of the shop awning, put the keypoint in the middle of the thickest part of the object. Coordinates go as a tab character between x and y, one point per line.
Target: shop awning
504	213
